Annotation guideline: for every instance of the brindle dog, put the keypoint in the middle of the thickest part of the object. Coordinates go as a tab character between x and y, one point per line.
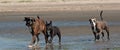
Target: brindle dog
98	27
37	26
53	31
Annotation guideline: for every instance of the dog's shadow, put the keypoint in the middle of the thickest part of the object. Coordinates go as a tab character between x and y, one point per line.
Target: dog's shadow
35	48
49	46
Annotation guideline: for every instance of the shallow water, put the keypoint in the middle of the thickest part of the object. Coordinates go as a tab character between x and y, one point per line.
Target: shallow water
11	38
68	43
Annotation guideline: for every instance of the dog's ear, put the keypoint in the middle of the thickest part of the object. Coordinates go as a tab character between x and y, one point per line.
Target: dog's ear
46	22
95	19
25	18
38	17
89	20
50	23
33	20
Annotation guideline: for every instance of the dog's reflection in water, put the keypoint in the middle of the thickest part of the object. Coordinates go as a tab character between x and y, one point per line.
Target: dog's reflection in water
35	48
52	47
49	46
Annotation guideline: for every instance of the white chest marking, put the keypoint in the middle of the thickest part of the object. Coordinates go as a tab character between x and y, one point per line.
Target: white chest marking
94	25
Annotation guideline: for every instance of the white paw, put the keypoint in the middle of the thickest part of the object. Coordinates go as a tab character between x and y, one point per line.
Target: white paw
30	46
47	43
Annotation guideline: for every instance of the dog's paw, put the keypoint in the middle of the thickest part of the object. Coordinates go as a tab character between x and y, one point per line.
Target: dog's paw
30	46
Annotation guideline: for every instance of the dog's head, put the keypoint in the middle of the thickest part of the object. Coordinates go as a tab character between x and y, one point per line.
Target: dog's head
49	25
92	21
29	21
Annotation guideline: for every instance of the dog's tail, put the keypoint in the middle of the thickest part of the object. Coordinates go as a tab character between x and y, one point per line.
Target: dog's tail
38	17
101	13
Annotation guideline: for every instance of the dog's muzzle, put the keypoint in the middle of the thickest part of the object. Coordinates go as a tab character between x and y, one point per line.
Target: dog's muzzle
27	24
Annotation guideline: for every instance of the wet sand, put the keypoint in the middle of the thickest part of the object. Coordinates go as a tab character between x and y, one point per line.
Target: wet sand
74	26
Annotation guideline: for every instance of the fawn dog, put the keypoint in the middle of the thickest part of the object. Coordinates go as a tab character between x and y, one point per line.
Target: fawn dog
98	27
37	26
53	31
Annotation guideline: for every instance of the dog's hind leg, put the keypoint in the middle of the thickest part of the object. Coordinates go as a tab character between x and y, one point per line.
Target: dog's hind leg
107	34
59	36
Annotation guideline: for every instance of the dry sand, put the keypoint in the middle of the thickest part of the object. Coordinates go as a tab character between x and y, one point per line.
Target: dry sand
74	10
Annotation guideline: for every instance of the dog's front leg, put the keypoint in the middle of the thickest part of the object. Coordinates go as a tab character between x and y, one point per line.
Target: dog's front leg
33	41
95	35
102	35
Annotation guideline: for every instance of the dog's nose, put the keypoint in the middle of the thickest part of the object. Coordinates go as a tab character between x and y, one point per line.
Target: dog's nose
27	24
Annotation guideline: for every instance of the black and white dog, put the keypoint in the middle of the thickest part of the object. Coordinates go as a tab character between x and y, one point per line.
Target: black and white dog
98	27
53	31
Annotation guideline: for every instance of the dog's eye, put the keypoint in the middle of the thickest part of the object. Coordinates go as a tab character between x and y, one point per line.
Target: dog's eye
31	20
28	19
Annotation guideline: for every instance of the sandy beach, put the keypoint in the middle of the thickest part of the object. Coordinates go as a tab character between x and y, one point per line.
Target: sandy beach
72	19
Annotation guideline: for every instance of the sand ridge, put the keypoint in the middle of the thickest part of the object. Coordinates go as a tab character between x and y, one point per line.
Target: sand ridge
60	6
